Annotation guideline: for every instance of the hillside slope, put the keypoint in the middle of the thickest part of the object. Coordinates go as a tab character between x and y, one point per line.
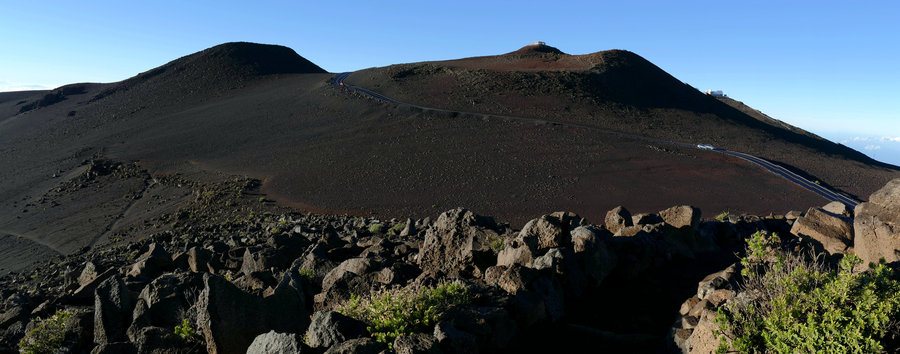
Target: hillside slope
86	163
621	91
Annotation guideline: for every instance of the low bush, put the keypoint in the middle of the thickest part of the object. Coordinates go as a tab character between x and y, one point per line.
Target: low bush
48	336
185	330
390	313
794	302
397	228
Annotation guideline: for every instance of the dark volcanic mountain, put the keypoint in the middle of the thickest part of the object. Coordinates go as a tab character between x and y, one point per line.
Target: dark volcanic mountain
618	90
81	161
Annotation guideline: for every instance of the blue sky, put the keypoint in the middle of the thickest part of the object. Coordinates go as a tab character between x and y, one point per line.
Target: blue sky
830	67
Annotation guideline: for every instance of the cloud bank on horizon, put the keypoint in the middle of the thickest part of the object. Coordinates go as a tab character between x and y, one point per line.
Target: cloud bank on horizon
881	148
6	86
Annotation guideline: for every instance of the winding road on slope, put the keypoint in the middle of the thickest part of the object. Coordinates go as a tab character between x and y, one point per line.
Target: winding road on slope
768	166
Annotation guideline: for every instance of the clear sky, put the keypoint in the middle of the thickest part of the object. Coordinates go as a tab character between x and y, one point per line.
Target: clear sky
830	67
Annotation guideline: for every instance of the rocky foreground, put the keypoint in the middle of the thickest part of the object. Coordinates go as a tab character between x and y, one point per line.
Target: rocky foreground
279	284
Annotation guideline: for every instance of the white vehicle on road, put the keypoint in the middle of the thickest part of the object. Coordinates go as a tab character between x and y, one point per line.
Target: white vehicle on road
706	147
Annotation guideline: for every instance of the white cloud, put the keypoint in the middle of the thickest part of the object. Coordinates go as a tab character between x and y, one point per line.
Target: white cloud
872	147
18	86
893	139
861	138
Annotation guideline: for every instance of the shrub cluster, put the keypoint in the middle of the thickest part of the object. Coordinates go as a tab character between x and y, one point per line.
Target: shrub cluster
793	302
48	336
392	312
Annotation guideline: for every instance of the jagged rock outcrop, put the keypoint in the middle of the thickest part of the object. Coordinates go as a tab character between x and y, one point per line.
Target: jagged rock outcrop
457	244
258	292
695	330
877	225
113	306
833	230
230	319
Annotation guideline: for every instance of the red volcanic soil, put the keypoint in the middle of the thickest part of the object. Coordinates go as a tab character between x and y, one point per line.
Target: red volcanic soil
265	112
620	91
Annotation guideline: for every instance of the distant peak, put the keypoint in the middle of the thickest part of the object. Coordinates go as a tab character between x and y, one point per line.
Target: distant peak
537	48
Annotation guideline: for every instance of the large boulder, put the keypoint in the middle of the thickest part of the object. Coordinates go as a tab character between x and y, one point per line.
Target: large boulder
682	216
113	306
166	301
416	343
152	263
230	319
263	259
618	218
550	231
835	232
593	255
85	293
877	225
681	232
329	328
276	343
357	346
88	274
458	244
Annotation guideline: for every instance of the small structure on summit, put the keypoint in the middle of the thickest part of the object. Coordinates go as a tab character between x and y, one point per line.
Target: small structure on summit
538	43
716	93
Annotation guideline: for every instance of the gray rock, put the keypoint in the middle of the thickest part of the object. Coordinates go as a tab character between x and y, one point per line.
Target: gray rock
839	209
833	231
877	225
113	308
276	343
152	263
409	229
618	218
645	219
683	216
230	319
86	291
452	340
88	274
115	348
198	260
793	215
457	244
167	301
329	328
159	340
359	345
262	259
544	232
515	252
515	278
593	255
416	343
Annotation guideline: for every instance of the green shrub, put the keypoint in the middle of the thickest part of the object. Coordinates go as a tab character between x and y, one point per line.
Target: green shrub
722	216
798	303
495	243
307	273
48	336
185	330
375	228
397	228
393	312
